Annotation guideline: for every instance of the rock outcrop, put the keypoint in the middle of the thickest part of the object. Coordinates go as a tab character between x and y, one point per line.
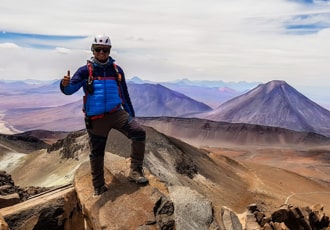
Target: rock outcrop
36	207
11	194
125	205
288	217
54	210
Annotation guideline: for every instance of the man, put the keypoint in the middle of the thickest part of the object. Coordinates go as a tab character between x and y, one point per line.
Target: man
107	105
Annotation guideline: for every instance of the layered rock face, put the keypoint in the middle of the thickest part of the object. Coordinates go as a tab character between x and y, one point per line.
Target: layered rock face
37	207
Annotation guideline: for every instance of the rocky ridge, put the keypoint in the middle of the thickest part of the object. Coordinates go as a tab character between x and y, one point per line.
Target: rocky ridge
22	142
189	189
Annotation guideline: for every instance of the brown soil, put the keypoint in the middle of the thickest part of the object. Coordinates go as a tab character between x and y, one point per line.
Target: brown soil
284	176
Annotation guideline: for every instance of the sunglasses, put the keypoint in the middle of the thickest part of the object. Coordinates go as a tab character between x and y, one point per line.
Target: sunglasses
105	50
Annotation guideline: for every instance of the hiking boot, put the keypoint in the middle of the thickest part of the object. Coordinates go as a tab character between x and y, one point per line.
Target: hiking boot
98	191
136	175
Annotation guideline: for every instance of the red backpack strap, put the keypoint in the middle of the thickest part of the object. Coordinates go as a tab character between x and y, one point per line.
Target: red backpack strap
119	77
89	83
90	71
118	74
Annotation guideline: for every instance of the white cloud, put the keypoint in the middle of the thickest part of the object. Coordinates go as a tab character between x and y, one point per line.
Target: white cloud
165	40
63	50
9	45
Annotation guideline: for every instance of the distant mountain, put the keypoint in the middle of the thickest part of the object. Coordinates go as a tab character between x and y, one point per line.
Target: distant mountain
13	87
277	104
157	100
237	86
68	117
212	93
212	96
19	94
202	132
23	87
137	80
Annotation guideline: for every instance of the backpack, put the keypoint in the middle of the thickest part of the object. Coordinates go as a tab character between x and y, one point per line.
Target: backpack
90	79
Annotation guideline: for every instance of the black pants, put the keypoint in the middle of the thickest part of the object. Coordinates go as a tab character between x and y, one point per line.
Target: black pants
98	133
120	121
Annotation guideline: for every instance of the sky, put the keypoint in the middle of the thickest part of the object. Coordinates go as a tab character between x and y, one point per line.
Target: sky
166	40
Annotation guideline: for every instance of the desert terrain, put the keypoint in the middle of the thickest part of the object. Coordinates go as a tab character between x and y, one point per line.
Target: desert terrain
233	176
298	180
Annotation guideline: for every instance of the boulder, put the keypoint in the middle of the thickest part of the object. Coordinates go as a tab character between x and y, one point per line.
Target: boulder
192	210
56	210
125	205
8	200
229	219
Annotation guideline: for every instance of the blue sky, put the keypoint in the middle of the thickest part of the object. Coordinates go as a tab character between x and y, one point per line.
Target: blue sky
238	40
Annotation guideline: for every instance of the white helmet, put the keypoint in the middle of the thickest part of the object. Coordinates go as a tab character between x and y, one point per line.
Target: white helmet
101	40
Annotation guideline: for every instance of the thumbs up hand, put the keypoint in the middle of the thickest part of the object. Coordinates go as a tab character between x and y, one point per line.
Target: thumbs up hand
66	79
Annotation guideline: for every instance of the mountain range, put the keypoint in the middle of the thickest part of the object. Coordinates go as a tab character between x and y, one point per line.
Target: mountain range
275	104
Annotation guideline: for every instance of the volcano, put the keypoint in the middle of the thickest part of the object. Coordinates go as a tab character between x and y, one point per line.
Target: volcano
277	104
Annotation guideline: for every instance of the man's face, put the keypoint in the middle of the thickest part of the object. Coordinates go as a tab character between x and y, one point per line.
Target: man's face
101	52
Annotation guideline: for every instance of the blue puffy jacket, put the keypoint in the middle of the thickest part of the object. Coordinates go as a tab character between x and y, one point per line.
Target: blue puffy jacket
108	96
